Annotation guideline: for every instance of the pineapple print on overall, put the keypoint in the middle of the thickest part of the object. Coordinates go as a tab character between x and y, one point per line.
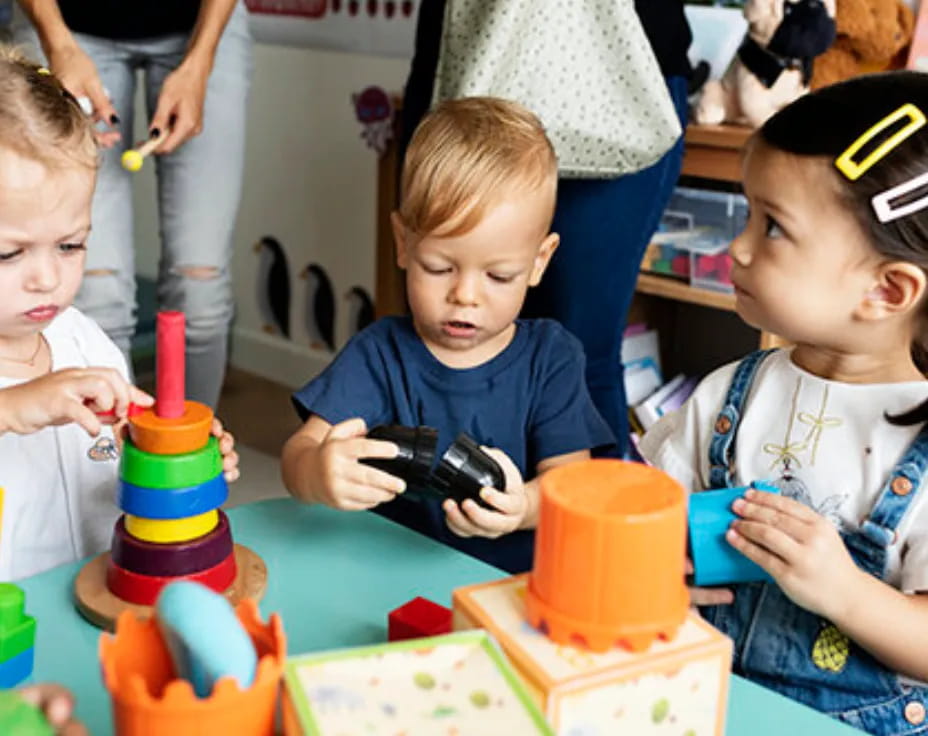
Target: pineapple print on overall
831	647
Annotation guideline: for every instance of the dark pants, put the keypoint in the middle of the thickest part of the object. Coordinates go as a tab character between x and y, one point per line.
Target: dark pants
605	226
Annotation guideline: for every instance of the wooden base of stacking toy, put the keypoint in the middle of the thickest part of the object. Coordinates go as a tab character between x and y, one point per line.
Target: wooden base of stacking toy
99	606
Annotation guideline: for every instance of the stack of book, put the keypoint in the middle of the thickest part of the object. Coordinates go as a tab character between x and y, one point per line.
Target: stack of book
649	396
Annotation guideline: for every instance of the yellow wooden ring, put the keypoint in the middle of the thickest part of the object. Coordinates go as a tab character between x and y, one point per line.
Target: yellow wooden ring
167	531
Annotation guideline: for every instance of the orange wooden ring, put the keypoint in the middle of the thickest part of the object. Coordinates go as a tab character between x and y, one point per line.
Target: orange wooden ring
186	433
144	589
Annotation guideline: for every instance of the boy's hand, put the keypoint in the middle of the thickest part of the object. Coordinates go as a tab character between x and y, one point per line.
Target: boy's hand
707	596
57	704
346	483
801	550
229	455
470	519
70	395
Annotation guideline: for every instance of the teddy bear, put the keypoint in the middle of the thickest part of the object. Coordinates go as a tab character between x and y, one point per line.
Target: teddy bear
773	65
871	36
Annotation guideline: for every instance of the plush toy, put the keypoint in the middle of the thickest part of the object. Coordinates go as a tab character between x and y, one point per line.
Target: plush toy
872	34
773	65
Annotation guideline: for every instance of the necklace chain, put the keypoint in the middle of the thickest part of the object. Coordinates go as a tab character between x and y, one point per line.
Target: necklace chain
31	360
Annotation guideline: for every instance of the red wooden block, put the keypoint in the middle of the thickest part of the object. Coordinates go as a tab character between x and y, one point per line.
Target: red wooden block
417	618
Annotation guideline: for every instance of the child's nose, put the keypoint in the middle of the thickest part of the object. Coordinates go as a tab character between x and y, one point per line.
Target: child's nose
466	290
44	275
740	250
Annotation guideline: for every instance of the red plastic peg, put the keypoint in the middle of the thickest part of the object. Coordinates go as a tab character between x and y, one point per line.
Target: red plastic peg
169	365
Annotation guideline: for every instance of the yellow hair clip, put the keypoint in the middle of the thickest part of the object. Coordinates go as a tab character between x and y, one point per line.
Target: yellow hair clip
854	170
43	70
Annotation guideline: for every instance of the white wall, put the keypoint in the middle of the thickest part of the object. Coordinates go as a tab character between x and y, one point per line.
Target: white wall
310	181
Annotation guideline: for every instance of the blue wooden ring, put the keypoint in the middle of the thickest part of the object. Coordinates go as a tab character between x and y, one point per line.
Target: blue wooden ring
171	560
172	503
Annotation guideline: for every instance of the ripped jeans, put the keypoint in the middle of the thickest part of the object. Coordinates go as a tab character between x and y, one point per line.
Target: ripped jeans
199	188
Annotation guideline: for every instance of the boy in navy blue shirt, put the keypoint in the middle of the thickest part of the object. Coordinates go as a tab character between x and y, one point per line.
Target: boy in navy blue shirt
472	234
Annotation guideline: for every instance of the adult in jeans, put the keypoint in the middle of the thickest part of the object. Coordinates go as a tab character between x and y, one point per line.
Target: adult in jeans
605	224
195	59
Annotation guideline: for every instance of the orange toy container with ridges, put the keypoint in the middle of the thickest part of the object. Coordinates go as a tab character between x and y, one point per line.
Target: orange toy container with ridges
610	551
172	436
148	700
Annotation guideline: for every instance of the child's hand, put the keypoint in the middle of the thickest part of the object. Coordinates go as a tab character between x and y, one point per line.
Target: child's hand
229	455
70	395
344	482
57	704
707	596
799	548
470	519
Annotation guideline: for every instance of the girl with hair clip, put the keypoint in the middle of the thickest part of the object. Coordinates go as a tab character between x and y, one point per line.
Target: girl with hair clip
834	258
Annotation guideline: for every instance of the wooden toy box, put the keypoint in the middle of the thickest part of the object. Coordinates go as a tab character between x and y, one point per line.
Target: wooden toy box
458	683
678	687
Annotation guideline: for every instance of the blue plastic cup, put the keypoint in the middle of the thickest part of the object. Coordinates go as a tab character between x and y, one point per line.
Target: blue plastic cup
715	561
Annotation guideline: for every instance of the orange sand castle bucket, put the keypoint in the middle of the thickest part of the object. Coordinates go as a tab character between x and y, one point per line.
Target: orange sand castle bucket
147	699
610	552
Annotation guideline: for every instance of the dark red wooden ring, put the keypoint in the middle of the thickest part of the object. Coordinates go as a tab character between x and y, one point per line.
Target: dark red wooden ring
143	589
170	560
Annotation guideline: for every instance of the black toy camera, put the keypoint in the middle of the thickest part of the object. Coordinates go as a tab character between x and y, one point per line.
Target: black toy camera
460	473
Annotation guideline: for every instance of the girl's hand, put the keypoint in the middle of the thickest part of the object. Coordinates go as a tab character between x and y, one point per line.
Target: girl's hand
57	705
344	482
229	455
801	550
77	74
707	596
470	519
65	396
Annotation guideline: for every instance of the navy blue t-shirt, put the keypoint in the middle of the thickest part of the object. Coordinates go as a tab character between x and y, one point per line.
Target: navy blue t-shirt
530	401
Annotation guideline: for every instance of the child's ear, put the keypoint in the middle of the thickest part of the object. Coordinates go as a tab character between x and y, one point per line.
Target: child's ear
399	239
543	257
899	288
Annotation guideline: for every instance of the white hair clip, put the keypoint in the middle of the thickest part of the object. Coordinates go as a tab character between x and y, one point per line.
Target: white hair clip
883	205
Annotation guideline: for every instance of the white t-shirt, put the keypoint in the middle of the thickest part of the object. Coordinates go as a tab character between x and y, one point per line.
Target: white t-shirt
59	483
823	442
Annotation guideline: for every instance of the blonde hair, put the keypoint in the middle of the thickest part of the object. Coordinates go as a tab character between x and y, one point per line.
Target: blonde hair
39	118
465	156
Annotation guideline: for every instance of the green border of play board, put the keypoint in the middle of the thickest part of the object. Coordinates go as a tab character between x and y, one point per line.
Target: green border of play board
479	637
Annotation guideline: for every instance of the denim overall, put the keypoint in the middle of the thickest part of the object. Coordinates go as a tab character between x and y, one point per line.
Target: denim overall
785	648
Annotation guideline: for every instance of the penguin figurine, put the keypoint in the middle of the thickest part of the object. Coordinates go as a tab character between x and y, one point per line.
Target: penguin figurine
273	286
320	307
360	309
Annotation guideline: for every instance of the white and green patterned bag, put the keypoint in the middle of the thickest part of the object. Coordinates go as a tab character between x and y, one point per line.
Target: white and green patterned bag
585	67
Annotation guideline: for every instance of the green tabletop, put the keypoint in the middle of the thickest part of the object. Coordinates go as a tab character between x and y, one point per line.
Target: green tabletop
333	577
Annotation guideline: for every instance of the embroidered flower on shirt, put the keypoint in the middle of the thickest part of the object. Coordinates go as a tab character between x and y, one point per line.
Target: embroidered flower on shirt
102	450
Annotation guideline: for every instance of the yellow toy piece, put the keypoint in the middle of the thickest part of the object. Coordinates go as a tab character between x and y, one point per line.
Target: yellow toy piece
170	531
132	160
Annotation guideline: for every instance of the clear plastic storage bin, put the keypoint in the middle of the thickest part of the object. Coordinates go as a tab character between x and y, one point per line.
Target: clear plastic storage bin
693	237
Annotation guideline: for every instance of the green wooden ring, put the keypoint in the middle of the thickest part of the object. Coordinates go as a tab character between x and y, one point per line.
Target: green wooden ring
170	471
